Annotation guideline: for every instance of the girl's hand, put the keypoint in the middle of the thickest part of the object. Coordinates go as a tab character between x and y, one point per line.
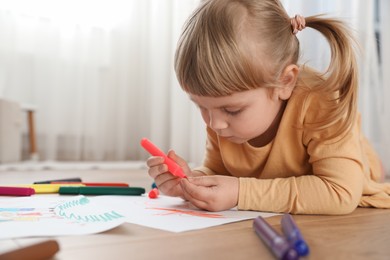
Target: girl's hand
166	182
213	193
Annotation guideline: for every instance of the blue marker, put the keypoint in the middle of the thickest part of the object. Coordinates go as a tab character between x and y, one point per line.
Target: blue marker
293	235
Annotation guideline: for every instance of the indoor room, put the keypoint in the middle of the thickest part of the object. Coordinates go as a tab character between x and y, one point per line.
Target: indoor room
129	125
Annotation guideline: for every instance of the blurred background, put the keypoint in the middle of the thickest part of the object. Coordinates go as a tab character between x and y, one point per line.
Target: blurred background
85	80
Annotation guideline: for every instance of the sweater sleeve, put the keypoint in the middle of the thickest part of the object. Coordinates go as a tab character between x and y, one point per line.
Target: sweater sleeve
334	185
334	188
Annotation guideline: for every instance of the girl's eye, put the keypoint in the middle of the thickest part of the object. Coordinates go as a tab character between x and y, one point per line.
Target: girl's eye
202	109
232	112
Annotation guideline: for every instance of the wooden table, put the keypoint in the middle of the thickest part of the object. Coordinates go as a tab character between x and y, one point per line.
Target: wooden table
364	234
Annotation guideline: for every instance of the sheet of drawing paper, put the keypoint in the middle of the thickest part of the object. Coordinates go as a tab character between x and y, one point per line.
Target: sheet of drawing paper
172	214
55	216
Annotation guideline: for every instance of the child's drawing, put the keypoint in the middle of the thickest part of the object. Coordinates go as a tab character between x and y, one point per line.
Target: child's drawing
54	215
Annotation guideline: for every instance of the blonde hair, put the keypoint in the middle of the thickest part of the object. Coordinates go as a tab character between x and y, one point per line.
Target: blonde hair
230	46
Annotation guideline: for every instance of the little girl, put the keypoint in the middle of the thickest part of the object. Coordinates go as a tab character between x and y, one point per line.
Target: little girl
281	137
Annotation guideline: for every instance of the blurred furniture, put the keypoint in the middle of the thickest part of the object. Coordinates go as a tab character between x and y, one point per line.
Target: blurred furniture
10	131
11	118
33	152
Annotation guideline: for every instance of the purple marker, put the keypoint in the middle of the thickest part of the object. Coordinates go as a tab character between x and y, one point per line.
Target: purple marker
293	235
278	244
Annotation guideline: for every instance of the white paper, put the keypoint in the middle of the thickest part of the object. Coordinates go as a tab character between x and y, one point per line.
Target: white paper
172	214
55	216
81	215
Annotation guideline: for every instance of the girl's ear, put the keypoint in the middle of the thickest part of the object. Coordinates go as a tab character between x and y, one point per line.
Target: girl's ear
287	82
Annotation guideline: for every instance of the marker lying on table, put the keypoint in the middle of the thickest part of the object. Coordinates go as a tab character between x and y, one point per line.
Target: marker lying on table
59	180
106	184
293	235
135	191
278	244
38	251
173	167
46	188
16	191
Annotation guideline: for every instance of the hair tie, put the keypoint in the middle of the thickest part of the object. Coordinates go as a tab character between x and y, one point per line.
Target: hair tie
298	23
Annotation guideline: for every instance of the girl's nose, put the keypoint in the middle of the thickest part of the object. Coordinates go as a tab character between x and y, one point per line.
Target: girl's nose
217	122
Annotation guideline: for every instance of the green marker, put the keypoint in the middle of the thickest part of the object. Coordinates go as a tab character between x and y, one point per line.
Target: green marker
134	191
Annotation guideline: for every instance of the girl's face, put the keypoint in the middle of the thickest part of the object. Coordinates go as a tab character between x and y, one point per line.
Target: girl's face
242	116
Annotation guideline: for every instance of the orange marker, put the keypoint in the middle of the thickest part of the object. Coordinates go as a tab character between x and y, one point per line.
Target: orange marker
173	167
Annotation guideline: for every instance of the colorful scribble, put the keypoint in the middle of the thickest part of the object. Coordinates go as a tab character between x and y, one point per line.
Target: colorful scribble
25	214
66	210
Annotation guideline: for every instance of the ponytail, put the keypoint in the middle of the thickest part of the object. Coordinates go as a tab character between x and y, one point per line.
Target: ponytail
340	82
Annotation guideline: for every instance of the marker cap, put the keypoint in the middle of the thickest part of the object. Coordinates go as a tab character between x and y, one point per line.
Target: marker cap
153	194
293	235
301	247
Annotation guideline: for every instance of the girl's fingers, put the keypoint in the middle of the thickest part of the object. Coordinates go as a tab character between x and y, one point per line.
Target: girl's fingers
199	203
168	184
212	193
189	196
165	181
154	160
157	170
195	193
180	161
164	178
156	166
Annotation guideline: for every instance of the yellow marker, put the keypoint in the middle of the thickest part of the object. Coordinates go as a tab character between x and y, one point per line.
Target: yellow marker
46	188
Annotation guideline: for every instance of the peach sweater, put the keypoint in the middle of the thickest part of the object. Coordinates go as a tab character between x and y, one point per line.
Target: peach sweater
298	172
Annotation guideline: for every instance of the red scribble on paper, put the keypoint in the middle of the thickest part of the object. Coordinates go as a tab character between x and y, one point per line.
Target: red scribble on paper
191	213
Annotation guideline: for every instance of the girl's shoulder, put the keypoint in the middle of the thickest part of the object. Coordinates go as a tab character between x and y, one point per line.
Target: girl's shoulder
305	102
309	110
310	98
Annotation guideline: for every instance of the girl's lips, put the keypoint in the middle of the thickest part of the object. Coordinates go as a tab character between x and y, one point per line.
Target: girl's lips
230	138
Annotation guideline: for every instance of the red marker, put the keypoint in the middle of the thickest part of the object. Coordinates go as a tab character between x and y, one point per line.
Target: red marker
16	191
172	165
